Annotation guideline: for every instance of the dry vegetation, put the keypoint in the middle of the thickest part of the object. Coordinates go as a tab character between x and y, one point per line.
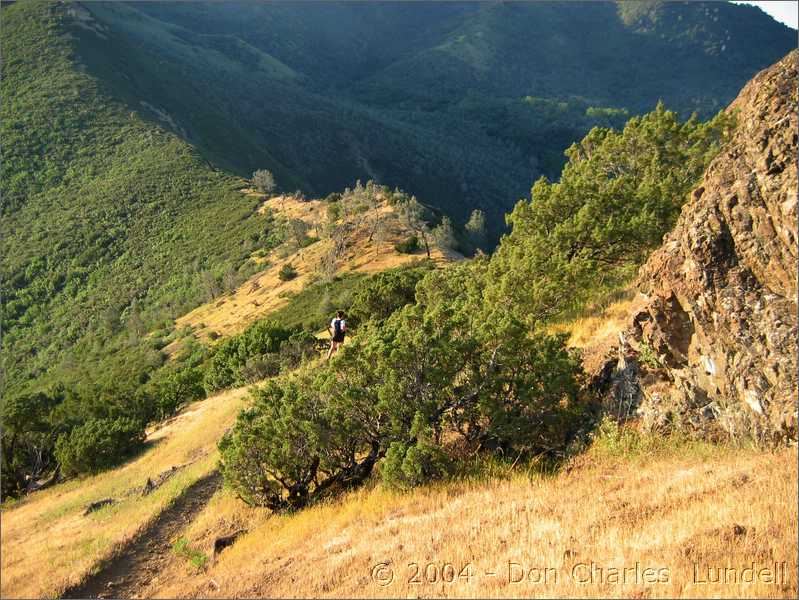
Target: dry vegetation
630	502
265	292
48	545
667	508
595	331
665	504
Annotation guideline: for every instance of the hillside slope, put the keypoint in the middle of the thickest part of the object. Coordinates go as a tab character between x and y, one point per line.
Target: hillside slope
661	502
666	511
53	526
109	220
265	292
114	217
441	99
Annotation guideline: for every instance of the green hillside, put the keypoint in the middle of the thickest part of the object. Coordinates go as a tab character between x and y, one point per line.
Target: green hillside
463	104
111	224
127	128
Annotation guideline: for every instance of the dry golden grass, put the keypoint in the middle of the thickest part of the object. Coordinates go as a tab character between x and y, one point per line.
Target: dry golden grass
666	511
599	323
596	331
47	545
265	292
666	506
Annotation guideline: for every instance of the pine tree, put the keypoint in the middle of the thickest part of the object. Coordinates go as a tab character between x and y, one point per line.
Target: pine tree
476	229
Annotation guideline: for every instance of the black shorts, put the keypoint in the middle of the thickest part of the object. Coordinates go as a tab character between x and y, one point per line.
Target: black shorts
338	338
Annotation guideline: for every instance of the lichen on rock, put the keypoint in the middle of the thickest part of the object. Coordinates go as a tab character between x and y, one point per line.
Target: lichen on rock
721	306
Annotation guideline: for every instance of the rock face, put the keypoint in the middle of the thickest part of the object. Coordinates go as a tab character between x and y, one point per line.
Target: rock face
715	347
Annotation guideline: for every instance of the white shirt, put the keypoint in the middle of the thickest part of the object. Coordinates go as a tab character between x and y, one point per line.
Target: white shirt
343	324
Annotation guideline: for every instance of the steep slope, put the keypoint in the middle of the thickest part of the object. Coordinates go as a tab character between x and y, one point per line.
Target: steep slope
520	535
572	50
442	99
667	507
718	331
245	108
659	501
55	527
109	220
265	292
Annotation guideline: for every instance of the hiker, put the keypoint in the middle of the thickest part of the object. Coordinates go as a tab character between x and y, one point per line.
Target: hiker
338	329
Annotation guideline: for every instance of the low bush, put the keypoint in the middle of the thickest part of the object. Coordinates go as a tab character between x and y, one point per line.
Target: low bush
228	364
380	295
407	246
433	371
197	558
98	444
259	367
287	272
175	387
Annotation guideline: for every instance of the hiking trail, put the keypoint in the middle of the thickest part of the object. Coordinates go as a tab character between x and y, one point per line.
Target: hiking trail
132	570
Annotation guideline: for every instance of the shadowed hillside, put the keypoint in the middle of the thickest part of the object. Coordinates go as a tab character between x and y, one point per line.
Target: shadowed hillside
463	104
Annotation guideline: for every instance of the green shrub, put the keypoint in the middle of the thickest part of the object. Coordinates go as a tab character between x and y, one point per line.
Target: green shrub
407	246
299	347
410	464
647	356
287	272
591	230
274	454
98	444
260	367
308	240
226	367
176	387
378	296
432	367
26	446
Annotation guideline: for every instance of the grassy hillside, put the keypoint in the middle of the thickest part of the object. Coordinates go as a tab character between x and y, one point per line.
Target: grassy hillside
665	508
311	297
50	525
665	502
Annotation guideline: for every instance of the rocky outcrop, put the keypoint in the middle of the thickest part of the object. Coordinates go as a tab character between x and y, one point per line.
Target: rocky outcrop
715	347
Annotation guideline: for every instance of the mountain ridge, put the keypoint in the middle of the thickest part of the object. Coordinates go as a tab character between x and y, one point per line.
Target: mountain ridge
380	102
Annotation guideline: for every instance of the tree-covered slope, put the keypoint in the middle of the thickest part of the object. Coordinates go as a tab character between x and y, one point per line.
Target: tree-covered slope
246	108
109	221
691	55
115	117
463	104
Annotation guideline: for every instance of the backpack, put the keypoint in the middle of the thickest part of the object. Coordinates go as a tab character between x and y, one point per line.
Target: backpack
337	331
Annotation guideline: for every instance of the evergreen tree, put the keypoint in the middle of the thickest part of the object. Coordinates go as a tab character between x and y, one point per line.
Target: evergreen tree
444	234
476	229
620	192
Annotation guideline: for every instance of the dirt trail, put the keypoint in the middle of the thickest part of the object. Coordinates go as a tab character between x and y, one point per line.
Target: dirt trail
132	570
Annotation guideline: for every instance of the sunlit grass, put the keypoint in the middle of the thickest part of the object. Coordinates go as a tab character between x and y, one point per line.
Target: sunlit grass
48	527
671	503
